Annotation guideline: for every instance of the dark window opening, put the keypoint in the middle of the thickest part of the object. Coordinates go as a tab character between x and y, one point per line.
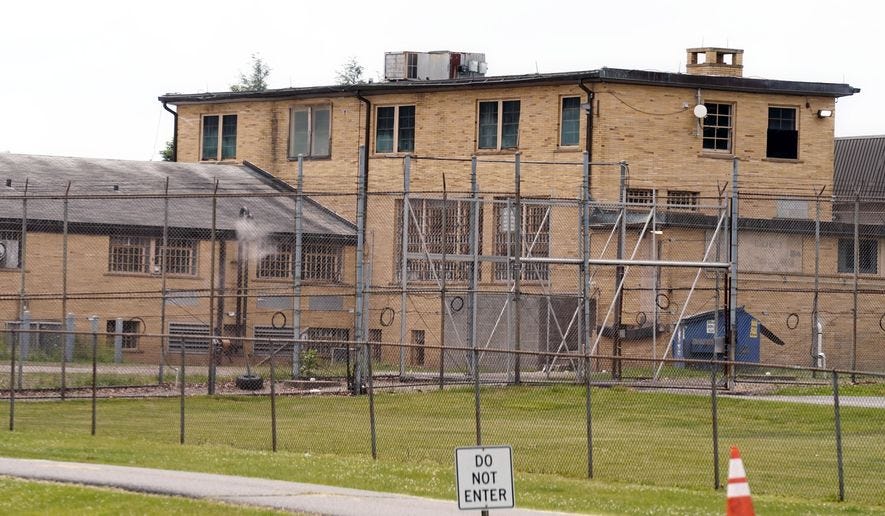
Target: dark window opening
783	137
868	256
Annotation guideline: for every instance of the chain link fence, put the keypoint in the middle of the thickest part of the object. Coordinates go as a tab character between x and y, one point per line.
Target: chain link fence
596	331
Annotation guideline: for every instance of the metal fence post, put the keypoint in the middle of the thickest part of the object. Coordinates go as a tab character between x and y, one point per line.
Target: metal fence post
404	267
213	329
442	285
181	384
64	295
371	388
12	346
359	331
296	270
273	397
118	340
94	322
24	345
164	342
517	269
715	410
733	274
838	423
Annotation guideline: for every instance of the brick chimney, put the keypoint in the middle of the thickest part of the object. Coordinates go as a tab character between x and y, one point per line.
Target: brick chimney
715	61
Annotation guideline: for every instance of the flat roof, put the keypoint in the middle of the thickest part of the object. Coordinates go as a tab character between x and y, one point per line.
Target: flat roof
602	75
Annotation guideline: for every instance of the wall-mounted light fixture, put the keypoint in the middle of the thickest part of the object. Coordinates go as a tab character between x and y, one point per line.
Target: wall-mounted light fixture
824	113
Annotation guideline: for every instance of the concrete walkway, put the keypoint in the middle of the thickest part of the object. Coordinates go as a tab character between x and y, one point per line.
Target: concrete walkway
278	494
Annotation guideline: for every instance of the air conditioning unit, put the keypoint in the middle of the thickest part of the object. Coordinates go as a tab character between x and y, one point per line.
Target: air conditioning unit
9	254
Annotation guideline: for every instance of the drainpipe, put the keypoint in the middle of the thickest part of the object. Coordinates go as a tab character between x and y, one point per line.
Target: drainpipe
368	135
174	133
588	140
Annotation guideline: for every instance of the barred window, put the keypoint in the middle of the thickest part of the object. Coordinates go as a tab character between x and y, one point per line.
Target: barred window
428	236
131	330
640	195
278	262
319	261
181	256
142	255
684	200
535	239
129	254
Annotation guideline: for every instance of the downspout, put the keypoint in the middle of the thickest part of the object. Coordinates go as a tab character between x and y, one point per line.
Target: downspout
174	133
368	135
588	139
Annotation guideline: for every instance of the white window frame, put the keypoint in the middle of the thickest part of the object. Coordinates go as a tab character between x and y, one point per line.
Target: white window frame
395	147
499	126
730	127
311	129
220	139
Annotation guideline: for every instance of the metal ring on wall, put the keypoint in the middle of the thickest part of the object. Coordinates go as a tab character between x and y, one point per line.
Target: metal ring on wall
456	307
641	318
661	305
795	318
273	320
387	316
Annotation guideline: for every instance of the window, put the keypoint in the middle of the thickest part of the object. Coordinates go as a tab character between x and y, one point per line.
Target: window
319	262
868	259
427	235
498	124
219	145
640	196
338	336
783	138
310	131
142	255
717	127
41	346
395	129
682	200
535	238
10	244
131	329
570	122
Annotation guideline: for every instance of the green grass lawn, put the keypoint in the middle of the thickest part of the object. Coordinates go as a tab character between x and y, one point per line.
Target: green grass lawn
652	451
25	497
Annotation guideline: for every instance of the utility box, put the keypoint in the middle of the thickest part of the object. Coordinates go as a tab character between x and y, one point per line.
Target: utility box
433	66
703	336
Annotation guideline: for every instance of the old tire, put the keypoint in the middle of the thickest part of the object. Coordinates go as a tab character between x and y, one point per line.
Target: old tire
250	382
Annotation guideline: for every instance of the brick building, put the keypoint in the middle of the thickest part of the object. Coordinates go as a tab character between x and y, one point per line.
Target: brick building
86	237
680	133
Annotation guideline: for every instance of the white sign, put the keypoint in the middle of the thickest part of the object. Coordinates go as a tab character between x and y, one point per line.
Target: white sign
484	477
711	326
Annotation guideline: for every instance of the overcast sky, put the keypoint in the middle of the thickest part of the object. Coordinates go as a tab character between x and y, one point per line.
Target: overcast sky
82	78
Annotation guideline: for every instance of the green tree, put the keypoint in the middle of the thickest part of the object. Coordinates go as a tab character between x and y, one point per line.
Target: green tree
257	79
166	153
350	73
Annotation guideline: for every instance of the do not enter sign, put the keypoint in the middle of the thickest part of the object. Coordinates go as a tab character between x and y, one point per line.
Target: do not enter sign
484	477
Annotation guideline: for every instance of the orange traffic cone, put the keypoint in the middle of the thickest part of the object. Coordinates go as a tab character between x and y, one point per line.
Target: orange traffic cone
739	502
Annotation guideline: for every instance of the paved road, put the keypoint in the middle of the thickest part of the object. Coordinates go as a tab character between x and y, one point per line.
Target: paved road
278	494
844	401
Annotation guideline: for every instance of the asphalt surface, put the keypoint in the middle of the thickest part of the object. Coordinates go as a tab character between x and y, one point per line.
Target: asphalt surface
278	494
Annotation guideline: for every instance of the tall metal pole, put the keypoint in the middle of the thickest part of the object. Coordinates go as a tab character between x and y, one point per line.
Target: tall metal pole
619	275
585	298
163	254
360	262
733	275
94	321
815	313
404	267
474	274
22	301
855	285
442	284
64	291
297	265
213	328
654	272
838	421
517	270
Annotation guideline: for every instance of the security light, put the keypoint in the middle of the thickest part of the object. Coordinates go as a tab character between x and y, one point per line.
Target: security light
824	113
